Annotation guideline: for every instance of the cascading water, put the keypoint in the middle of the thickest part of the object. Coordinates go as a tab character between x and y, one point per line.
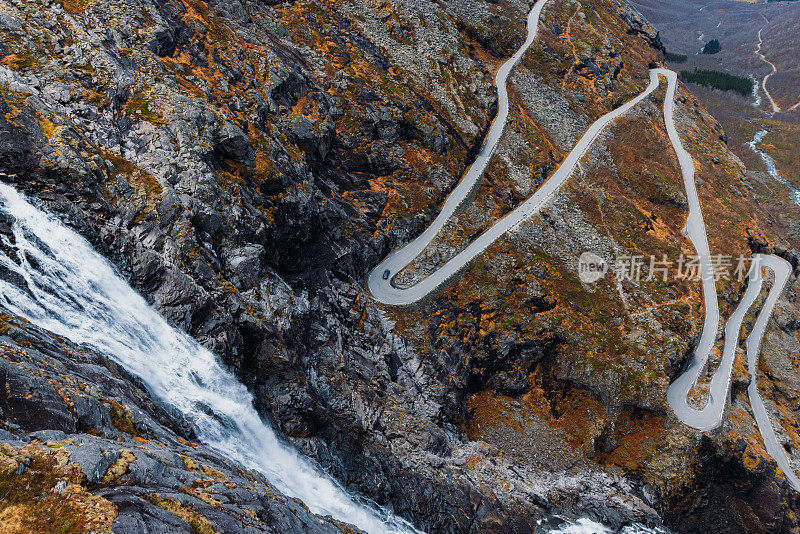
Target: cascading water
769	162
52	277
756	92
587	526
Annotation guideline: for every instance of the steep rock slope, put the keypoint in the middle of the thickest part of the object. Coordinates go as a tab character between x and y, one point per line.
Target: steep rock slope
246	163
85	449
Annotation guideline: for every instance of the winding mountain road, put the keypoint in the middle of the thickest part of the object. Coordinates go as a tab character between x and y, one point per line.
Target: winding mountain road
384	290
775	107
380	281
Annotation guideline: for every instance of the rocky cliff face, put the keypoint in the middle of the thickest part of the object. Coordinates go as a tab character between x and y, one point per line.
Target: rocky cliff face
85	449
246	163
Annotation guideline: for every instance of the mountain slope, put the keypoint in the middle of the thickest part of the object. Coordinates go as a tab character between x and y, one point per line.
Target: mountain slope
245	164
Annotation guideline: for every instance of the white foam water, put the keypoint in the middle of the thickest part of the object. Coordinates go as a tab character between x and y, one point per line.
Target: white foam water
53	277
769	162
585	525
756	92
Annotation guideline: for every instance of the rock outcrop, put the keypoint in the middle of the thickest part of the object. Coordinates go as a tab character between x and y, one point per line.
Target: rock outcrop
86	449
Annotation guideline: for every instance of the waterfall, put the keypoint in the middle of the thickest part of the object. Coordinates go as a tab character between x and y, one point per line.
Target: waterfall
53	277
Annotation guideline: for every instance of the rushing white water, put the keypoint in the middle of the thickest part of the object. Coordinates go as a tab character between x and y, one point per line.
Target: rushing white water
756	92
64	286
582	526
769	162
585	525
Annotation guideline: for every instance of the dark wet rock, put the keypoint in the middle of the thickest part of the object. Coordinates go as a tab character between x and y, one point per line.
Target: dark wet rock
730	498
48	435
138	515
638	25
92	459
245	265
233	144
31	401
160	468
